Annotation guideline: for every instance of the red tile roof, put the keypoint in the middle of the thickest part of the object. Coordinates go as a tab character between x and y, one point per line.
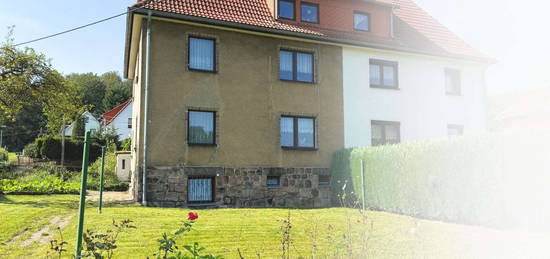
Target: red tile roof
416	29
112	114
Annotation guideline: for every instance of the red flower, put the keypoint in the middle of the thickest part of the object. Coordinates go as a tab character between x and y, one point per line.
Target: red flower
192	216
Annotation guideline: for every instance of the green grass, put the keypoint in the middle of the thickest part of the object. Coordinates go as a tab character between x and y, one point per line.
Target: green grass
257	231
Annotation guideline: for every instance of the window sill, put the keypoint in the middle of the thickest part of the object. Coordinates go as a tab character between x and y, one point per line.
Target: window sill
296	81
324	185
309	22
273	187
361	30
202	70
453	94
385	87
300	148
286	19
201	145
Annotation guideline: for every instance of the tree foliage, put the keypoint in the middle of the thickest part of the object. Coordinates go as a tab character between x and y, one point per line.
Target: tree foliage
27	79
90	88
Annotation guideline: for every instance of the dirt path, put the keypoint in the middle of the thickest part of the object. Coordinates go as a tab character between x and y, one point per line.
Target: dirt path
118	197
41	236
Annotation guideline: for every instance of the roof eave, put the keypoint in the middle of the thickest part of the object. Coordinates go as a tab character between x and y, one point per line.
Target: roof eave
128	41
207	21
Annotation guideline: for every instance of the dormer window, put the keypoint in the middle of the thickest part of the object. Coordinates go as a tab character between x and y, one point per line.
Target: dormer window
361	21
286	9
310	12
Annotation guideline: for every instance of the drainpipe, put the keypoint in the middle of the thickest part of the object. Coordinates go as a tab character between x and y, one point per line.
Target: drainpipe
146	106
392	25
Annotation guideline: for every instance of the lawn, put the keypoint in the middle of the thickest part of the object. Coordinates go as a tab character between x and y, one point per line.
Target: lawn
326	233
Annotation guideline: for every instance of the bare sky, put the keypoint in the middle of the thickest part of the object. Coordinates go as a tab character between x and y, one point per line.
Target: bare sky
512	31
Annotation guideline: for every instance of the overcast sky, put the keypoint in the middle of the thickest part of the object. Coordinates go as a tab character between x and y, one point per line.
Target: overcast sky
511	31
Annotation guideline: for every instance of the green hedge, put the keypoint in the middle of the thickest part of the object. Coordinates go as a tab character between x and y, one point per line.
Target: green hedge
50	148
485	179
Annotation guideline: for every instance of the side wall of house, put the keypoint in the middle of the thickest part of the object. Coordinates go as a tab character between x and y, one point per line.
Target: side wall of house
249	100
120	123
421	104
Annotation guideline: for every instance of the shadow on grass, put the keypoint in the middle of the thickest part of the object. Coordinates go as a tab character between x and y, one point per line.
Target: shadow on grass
41	201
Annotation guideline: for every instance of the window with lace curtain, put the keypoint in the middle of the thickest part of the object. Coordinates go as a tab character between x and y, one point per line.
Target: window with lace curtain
202	54
297	132
385	132
296	66
201	128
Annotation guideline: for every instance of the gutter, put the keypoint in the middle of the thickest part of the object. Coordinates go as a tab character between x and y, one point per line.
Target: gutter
206	21
146	109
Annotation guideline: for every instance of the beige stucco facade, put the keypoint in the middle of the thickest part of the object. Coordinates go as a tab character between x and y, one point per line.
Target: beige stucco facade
246	94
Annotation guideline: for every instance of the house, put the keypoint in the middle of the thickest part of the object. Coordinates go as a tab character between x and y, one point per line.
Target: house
120	119
92	124
520	111
242	103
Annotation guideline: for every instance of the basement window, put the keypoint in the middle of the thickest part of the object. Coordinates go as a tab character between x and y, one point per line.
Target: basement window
454	130
324	180
286	9
273	181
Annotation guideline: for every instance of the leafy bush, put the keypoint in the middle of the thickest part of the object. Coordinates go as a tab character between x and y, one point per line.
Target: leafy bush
111	182
31	150
4	155
50	148
126	144
46	186
485	179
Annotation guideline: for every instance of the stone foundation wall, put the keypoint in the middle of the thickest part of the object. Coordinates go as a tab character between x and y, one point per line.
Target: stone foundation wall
238	187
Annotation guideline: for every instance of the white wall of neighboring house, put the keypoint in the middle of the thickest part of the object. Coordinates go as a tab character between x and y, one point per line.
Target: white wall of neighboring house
421	104
120	122
92	124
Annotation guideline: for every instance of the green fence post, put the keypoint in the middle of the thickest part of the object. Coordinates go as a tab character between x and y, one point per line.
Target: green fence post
82	204
101	179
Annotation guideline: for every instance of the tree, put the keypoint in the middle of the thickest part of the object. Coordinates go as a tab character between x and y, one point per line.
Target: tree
26	78
28	84
115	96
118	90
90	88
24	129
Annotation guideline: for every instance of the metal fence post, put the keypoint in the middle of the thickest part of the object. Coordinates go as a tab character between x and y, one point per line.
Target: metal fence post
82	204
363	183
101	179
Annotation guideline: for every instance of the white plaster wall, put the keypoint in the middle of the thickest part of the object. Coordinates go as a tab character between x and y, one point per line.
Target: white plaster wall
123	174
120	123
420	104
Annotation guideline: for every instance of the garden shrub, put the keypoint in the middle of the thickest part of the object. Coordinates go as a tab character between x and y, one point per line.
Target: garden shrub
483	179
50	148
126	144
31	150
4	155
